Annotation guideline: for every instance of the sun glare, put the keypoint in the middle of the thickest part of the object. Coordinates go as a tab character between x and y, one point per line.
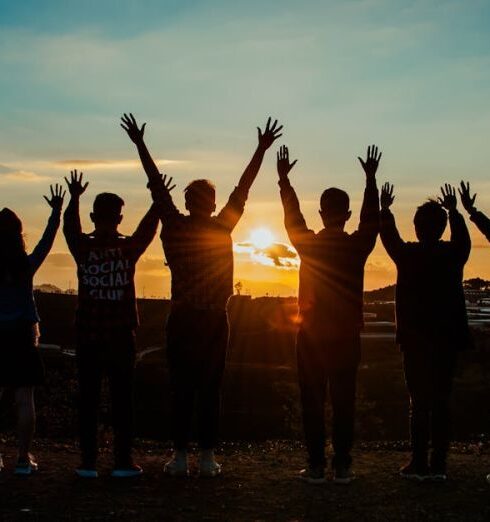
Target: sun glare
261	238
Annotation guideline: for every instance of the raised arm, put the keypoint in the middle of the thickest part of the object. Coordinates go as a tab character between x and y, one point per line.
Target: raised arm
390	236
136	134
72	227
460	237
299	234
369	223
160	189
42	249
146	230
478	218
233	210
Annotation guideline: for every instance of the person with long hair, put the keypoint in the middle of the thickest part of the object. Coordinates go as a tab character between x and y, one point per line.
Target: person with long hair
21	367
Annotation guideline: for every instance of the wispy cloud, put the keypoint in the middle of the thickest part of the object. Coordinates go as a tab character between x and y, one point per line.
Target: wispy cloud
278	255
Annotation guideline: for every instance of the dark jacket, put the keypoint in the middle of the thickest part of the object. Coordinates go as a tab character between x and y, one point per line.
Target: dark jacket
430	302
199	251
331	277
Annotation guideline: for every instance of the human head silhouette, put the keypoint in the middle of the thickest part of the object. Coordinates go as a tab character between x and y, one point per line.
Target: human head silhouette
200	198
334	208
13	260
430	221
106	214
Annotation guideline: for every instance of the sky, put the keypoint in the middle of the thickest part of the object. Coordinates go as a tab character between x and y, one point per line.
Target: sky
411	76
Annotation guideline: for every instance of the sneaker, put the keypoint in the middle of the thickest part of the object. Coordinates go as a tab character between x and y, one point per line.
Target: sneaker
343	475
314	475
209	468
86	472
133	470
26	468
177	467
438	473
413	471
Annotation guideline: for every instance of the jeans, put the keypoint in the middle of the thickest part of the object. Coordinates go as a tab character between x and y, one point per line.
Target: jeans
113	358
197	341
429	375
316	371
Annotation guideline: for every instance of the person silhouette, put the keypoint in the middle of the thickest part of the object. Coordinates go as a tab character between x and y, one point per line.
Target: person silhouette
478	218
431	321
198	249
21	366
106	319
331	280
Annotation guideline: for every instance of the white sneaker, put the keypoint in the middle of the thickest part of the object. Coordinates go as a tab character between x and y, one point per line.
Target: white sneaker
209	468
26	468
177	466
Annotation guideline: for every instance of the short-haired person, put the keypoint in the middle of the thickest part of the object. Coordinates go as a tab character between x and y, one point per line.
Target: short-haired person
198	249
21	367
106	319
331	281
431	321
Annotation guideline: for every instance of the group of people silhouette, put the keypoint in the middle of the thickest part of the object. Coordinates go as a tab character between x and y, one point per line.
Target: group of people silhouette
431	318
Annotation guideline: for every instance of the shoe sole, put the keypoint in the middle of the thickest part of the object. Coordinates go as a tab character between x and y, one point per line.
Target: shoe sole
126	474
343	482
418	478
86	474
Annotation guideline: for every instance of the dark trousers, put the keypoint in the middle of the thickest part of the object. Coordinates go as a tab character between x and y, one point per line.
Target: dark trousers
113	358
429	375
196	351
331	362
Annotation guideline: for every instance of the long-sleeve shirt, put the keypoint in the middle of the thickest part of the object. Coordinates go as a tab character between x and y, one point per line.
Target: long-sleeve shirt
430	302
105	267
331	276
199	251
17	302
482	222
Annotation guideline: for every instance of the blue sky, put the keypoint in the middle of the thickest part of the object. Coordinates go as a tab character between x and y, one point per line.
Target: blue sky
413	77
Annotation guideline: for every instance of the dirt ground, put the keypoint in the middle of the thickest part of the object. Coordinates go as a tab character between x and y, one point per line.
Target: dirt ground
259	483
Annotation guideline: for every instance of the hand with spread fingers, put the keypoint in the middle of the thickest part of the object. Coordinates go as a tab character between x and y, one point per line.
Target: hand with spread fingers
129	124
167	183
57	197
76	187
270	134
467	200
387	197
448	200
371	164
283	165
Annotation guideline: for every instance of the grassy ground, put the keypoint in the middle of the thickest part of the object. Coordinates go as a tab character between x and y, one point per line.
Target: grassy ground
259	483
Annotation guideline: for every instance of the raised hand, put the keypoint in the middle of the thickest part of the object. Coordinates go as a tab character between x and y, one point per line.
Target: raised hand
387	196
75	184
57	197
448	200
167	182
270	135
467	200
131	127
283	165
370	166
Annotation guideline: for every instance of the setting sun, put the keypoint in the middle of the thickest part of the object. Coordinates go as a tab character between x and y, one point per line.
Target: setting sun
261	238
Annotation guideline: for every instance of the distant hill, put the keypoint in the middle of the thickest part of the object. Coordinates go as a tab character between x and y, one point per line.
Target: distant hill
381	294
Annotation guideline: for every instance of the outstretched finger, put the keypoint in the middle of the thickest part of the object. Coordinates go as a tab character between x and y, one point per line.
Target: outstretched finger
294	163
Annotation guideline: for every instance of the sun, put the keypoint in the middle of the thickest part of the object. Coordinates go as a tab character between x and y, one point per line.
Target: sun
261	237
